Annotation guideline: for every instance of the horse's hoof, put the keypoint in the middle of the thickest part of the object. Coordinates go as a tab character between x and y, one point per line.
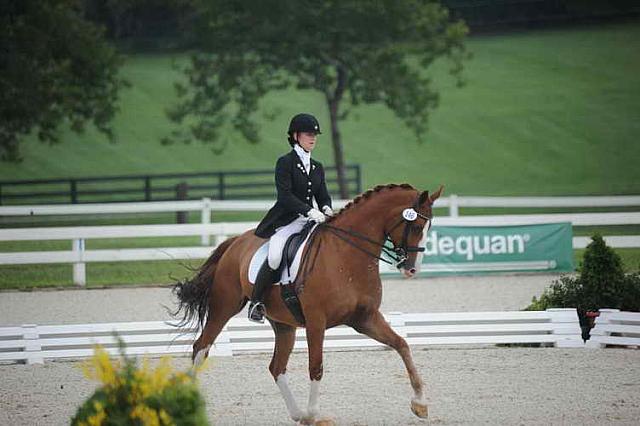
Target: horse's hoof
419	409
306	421
325	422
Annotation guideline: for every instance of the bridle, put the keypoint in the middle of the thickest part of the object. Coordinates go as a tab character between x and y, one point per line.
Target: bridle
409	216
400	253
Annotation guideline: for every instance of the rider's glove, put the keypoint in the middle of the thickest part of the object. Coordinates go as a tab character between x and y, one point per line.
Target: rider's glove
316	215
327	211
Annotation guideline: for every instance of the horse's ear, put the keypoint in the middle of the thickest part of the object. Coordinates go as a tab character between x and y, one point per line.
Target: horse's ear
424	197
436	194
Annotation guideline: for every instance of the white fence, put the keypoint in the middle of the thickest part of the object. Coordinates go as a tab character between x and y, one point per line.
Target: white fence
79	255
34	344
454	202
615	328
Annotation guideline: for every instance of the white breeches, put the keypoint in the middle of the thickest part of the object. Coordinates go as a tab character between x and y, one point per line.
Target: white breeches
278	240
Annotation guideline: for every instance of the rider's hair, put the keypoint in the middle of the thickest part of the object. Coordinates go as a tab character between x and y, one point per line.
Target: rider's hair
291	140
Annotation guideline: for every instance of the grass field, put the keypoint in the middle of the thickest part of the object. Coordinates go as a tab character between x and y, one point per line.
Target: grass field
550	112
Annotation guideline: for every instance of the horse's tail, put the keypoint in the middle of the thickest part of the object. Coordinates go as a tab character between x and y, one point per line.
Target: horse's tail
193	294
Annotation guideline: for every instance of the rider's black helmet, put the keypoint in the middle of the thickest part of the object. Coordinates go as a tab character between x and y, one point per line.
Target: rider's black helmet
302	123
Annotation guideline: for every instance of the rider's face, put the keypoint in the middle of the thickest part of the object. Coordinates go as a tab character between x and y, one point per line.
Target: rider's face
307	140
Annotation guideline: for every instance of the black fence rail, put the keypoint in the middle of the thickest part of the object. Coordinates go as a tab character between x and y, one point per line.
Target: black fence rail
253	184
500	14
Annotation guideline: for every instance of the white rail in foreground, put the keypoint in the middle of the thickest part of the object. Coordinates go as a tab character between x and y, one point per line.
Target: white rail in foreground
615	328
34	344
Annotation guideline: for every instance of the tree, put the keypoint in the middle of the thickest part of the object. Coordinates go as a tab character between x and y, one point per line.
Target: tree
55	67
366	51
159	21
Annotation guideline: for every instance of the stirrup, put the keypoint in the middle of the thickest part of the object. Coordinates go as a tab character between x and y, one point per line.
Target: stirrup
256	312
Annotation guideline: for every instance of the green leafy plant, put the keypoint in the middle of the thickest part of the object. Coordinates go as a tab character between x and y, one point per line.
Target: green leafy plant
601	283
139	395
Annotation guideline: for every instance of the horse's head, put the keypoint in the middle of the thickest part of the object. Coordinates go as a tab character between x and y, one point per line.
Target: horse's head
408	225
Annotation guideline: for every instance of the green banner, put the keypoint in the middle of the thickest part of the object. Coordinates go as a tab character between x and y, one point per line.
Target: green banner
464	249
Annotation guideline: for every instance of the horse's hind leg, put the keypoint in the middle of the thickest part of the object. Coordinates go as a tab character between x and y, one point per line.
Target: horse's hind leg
376	327
225	301
285	339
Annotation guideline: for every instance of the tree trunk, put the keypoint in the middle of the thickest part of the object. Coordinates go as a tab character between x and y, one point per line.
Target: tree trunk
333	103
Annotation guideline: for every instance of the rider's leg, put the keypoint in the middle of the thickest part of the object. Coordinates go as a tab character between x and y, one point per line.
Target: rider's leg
266	277
267	274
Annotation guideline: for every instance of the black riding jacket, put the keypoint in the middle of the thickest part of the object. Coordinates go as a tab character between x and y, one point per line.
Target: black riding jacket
296	190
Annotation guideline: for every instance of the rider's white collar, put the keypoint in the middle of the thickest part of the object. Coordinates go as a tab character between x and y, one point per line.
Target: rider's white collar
304	156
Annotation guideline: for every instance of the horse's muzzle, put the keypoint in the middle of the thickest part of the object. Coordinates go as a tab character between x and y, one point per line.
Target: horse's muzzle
409	273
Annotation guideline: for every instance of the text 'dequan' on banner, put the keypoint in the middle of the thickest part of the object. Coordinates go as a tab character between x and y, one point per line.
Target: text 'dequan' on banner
465	249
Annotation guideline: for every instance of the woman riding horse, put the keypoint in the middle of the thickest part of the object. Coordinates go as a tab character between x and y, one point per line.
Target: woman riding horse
340	285
299	179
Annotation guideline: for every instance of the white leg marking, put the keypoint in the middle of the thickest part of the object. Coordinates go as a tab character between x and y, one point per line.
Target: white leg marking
419	400
289	400
314	393
200	357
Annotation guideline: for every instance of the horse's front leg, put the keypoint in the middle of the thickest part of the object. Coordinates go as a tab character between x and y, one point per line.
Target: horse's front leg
285	340
376	327
315	340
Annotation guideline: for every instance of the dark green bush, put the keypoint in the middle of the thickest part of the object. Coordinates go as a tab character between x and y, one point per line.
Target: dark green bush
600	283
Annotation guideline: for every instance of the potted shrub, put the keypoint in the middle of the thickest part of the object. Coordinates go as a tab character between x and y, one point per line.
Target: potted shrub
139	395
600	283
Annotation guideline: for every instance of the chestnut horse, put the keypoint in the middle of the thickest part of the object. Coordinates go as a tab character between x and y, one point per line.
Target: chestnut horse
341	285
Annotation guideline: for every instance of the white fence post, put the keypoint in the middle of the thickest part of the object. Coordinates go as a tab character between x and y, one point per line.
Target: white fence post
32	345
79	267
205	219
453	205
222	235
565	326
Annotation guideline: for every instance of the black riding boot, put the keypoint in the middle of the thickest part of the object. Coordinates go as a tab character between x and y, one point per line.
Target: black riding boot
266	277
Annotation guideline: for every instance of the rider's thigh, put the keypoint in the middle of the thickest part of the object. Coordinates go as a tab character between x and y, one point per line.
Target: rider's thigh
279	239
275	251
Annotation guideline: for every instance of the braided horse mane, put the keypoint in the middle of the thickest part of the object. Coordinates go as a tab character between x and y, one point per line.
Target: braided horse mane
366	195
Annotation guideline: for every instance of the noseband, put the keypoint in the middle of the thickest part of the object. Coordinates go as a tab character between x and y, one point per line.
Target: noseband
399	254
408	217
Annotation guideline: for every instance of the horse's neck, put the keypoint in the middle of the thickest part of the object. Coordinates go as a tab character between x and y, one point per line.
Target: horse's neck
371	216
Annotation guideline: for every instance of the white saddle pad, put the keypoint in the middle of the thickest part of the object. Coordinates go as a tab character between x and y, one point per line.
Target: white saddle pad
261	254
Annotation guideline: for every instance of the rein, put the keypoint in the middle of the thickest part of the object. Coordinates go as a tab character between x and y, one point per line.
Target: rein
398	254
335	230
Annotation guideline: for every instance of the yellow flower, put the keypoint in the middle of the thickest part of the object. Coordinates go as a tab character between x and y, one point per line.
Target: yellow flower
99	416
143	382
161	375
148	416
166	418
182	378
101	368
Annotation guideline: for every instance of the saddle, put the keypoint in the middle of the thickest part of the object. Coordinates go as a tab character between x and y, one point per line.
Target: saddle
288	269
287	290
292	245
